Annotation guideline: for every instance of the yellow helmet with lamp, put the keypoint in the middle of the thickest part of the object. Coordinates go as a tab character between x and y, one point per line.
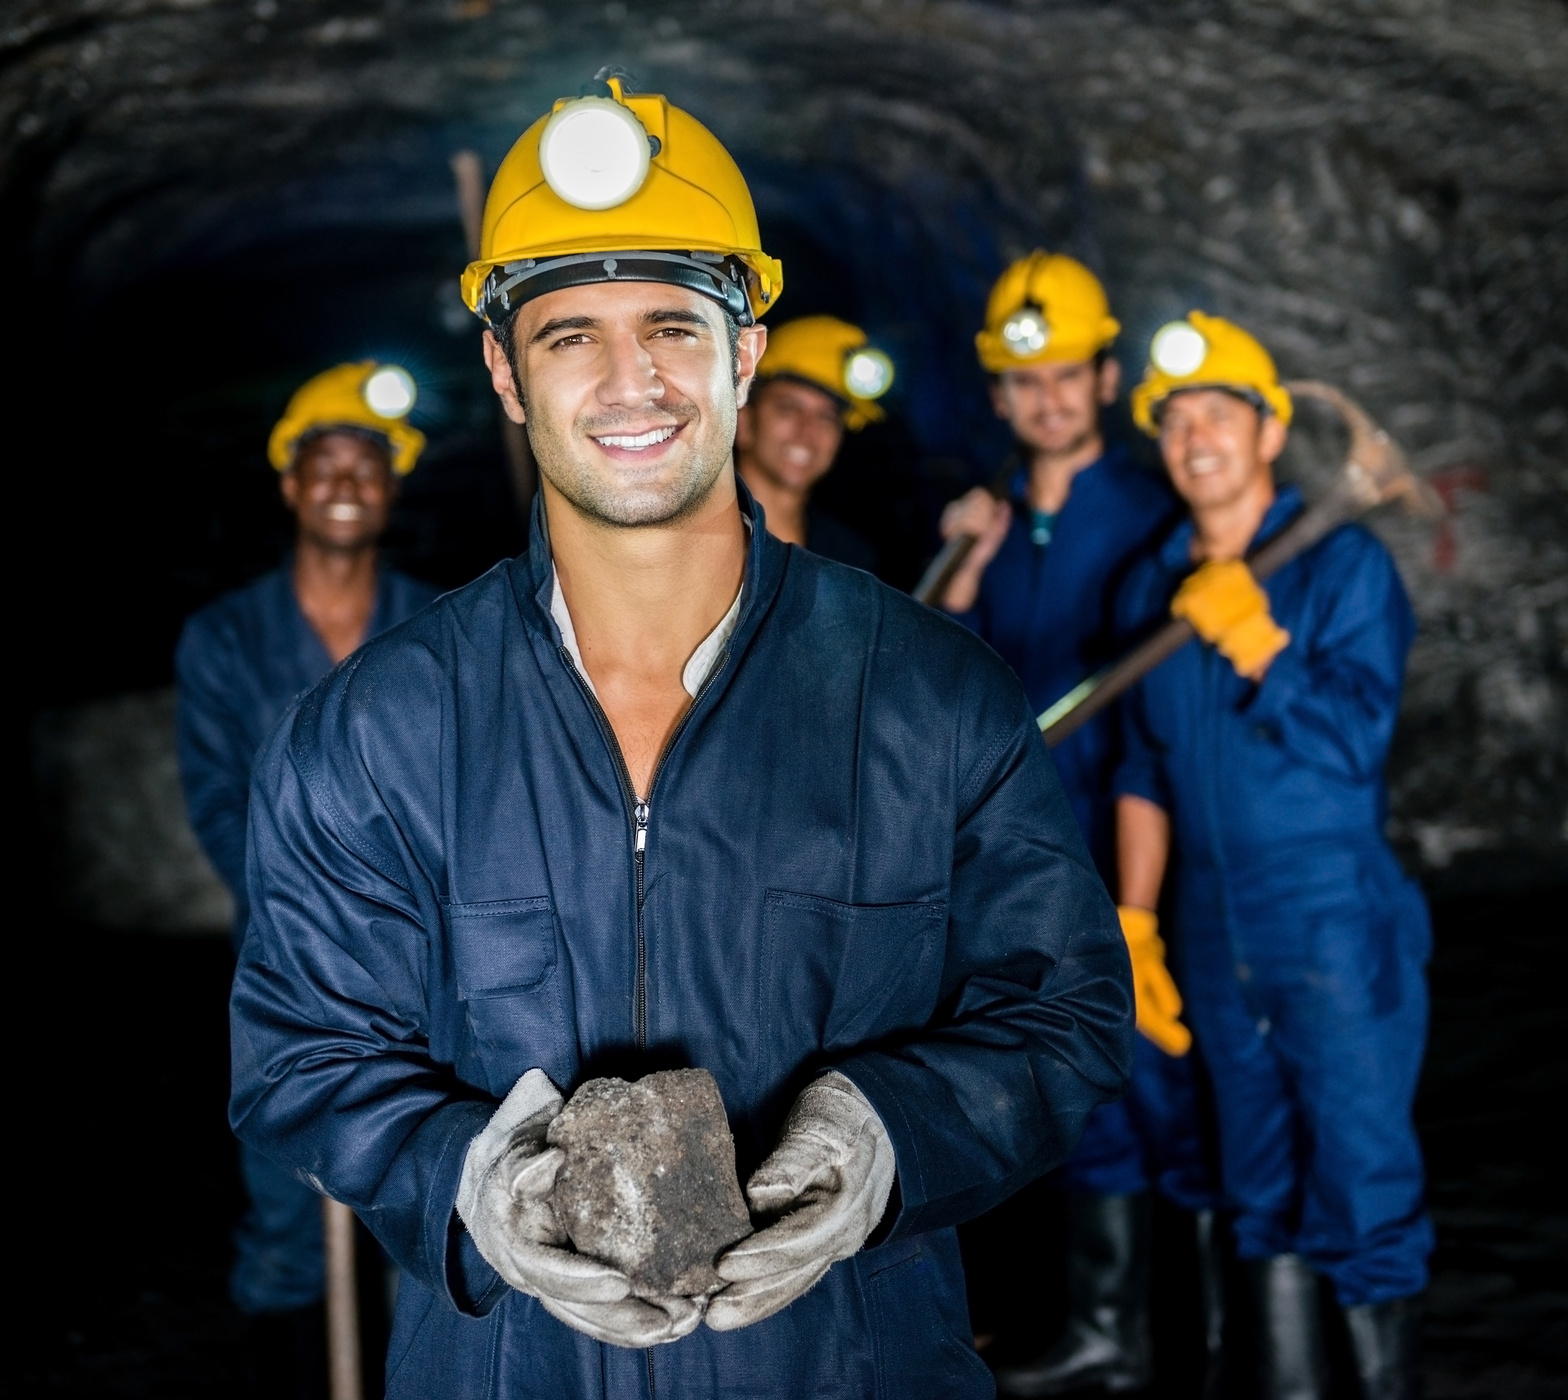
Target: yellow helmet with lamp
1207	352
1046	308
833	356
362	397
619	186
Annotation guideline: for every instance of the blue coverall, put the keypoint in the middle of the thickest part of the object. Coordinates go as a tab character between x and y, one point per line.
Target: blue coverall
241	661
1302	945
856	855
1049	610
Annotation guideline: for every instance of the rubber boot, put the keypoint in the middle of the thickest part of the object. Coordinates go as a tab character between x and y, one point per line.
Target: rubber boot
1386	1341
1291	1360
1211	1283
1106	1340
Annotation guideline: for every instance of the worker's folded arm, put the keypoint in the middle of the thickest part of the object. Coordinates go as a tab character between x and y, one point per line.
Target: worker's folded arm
1331	698
214	750
332	1071
1035	1023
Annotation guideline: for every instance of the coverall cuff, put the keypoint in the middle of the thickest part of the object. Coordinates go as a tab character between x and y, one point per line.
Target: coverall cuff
1140	780
470	1284
1271	698
863	1072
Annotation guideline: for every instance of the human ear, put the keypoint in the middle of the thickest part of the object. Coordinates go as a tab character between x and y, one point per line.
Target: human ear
1110	381
1271	438
501	379
288	486
752	342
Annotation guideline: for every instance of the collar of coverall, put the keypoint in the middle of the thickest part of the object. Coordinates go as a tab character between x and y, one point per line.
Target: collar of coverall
1176	554
696	670
533	583
1018	482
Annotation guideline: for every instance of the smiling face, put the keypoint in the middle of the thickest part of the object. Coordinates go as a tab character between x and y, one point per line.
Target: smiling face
629	391
341	488
790	433
1055	408
1218	448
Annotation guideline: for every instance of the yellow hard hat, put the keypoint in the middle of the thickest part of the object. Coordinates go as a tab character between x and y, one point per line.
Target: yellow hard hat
833	356
1207	352
624	174
1046	308
364	397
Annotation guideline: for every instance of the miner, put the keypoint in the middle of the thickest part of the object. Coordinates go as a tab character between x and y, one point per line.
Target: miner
818	377
1255	763
341	448
1039	585
664	792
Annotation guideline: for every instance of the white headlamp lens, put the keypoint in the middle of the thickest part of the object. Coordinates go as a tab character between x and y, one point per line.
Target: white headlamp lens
1025	332
594	153
868	374
1178	348
390	392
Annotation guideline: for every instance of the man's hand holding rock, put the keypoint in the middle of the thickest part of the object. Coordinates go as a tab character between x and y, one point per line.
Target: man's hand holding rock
504	1200
827	1183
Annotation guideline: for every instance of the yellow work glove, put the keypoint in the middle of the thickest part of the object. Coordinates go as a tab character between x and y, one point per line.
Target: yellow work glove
1228	608
1156	998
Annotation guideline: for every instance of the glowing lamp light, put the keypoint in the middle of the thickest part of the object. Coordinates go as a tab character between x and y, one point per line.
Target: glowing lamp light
1025	332
594	153
868	374
1178	349
390	392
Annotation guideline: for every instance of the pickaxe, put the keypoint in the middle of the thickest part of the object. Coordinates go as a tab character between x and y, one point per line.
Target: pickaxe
1376	471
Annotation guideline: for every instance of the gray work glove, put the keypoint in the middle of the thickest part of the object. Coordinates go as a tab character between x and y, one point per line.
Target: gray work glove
828	1183
504	1200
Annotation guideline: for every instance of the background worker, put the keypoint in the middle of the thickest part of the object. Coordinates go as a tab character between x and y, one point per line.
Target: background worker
817	377
1039	586
643	797
341	447
1256	761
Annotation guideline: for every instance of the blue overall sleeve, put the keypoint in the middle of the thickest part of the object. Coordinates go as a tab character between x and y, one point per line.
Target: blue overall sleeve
332	1071
1035	1027
215	749
1332	696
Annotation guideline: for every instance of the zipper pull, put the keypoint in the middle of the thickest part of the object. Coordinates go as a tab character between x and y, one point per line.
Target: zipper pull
641	814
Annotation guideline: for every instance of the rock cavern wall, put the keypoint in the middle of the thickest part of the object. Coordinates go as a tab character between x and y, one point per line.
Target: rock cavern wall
1380	189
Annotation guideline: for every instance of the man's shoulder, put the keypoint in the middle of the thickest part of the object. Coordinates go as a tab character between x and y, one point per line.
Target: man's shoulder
232	616
1143	489
852	612
398	682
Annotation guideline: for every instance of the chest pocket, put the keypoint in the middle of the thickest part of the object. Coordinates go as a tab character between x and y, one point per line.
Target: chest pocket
837	975
505	960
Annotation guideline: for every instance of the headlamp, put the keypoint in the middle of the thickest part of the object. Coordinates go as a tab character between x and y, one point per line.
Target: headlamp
868	373
390	392
594	153
1178	349
1026	331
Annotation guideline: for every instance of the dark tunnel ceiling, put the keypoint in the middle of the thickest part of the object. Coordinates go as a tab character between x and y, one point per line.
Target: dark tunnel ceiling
1380	189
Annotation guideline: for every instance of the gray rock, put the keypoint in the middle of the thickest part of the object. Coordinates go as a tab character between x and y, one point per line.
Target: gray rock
649	1180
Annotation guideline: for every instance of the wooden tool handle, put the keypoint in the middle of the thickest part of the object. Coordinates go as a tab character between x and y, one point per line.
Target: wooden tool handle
337	1226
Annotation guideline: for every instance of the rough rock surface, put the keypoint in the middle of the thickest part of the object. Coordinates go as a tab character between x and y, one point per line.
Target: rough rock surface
649	1181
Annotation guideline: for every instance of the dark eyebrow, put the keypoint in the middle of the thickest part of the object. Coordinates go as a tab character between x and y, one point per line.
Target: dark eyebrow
676	314
562	323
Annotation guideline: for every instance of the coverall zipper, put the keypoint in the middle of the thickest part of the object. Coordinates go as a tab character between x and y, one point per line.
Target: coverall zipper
639	808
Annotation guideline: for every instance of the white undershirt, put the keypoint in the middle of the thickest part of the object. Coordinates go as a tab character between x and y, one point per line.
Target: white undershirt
696	670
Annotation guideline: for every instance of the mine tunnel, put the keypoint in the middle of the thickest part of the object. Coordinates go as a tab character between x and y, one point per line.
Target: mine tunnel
204	202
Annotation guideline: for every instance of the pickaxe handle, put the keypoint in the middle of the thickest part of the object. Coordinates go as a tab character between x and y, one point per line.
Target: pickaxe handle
950	558
337	1227
1375	471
